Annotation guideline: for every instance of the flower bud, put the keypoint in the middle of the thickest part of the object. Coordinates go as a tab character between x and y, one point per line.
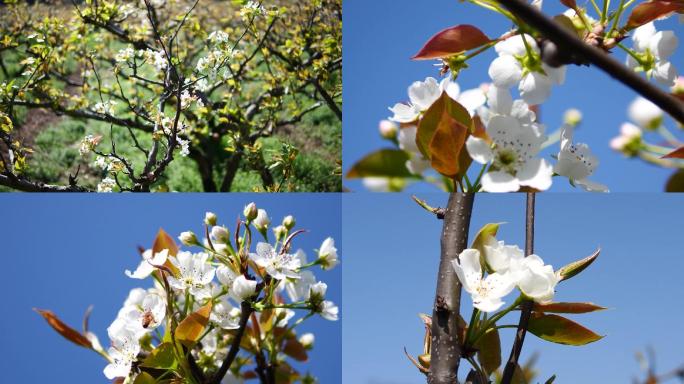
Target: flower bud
243	288
645	114
289	222
261	221
629	141
572	117
220	234
678	87
317	292
327	254
280	232
250	211
388	129
307	340
188	238
210	218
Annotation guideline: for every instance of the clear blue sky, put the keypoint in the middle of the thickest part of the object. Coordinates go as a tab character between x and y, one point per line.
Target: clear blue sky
380	36
67	252
392	249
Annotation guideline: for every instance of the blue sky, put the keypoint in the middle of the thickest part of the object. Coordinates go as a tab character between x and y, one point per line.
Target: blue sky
380	36
392	249
66	252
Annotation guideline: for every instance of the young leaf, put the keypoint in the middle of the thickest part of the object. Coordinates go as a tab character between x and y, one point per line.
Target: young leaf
569	3
646	12
162	357
567	307
296	350
383	163
558	329
191	328
144	378
489	350
164	241
676	154
66	331
576	267
451	41
484	234
550	380
446	147
444	111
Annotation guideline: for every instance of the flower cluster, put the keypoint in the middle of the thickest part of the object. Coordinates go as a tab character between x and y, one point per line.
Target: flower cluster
652	49
509	269
227	285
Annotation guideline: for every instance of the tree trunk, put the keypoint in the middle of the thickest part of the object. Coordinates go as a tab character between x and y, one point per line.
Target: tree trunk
206	170
446	349
232	166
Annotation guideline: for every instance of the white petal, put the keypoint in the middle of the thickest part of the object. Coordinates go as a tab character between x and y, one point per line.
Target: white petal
663	44
499	284
143	271
522	112
417	164
479	150
499	182
642	36
591	186
468	269
535	88
472	100
644	112
536	173
664	72
489	304
407	138
557	75
423	94
404	113
505	71
450	87
515	46
500	100
631	62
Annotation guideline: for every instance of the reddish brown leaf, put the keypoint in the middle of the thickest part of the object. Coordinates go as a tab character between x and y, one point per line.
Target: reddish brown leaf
164	241
66	331
676	154
452	41
296	350
652	10
569	3
191	328
445	146
567	307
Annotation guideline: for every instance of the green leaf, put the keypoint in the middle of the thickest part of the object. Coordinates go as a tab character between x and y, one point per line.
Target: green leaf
576	267
558	329
383	163
485	233
162	357
489	351
567	307
191	328
144	378
550	380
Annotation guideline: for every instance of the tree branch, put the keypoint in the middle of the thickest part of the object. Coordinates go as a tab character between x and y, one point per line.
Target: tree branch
446	348
526	305
568	42
235	346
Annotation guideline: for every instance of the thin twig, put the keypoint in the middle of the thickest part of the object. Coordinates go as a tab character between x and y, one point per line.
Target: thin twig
526	305
568	42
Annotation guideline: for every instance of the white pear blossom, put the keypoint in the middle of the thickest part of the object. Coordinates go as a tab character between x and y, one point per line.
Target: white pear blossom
148	314
471	99
629	139
307	340
421	95
645	113
283	315
226	276
512	155
195	274
156	59
327	254
124	55
654	48
388	129
243	288
278	265
148	264
577	162
106	185
486	292
499	256
328	310
123	353
225	315
535	280
218	37
376	184
519	64
299	289
262	221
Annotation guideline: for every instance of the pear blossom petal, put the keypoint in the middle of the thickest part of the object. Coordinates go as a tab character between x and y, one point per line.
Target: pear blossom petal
500	100
499	182
472	100
505	71
664	72
404	113
450	87
535	88
424	93
663	44
536	173
479	150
